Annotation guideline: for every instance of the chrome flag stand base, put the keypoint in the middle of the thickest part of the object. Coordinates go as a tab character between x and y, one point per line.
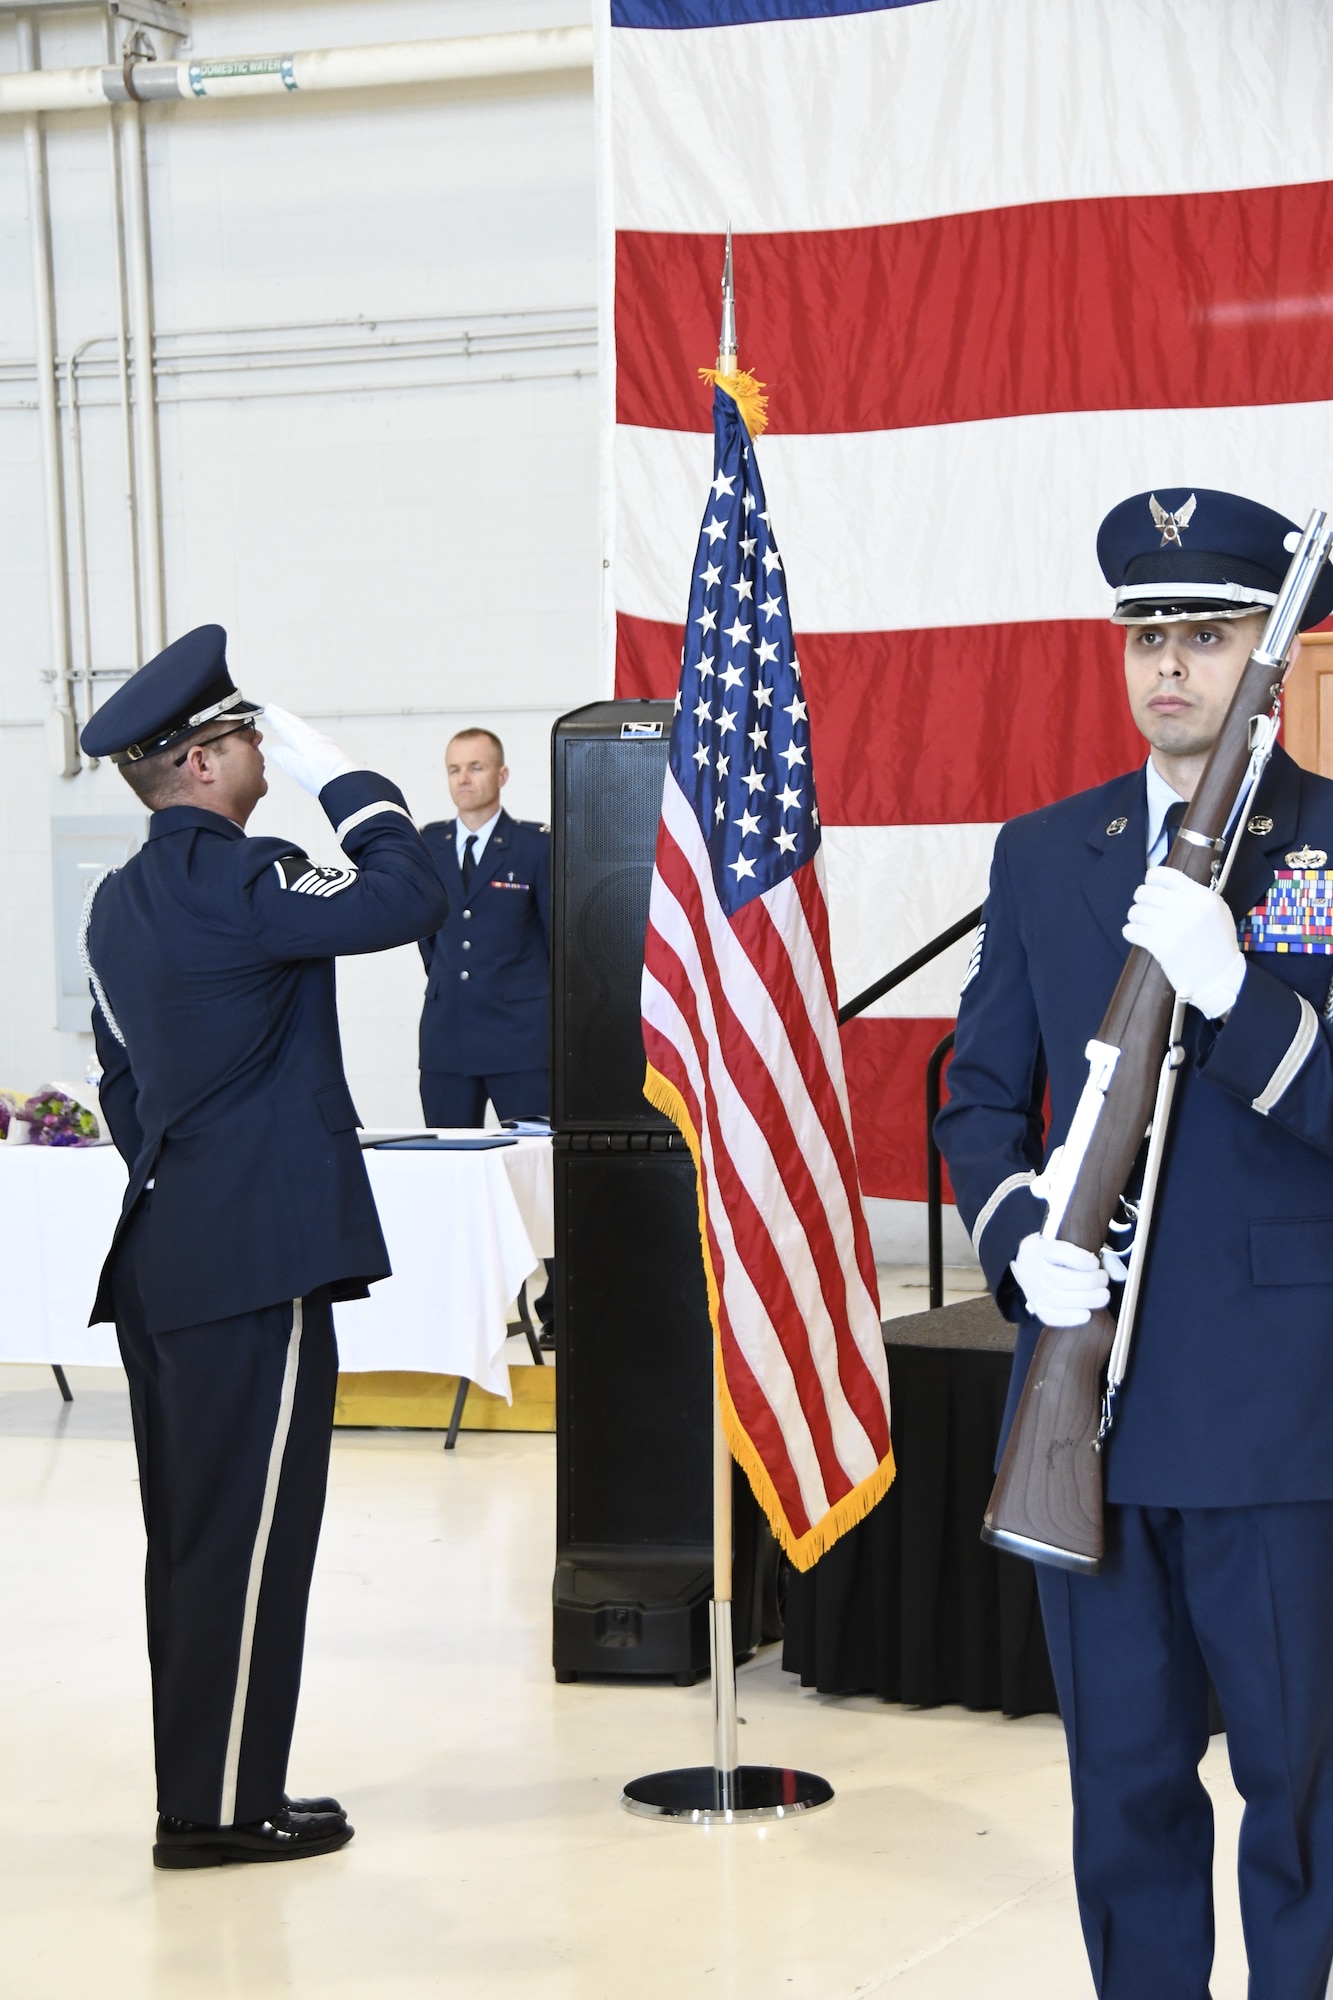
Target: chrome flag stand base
725	1792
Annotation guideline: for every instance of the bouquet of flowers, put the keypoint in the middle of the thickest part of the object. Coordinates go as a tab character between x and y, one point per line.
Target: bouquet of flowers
9	1106
56	1119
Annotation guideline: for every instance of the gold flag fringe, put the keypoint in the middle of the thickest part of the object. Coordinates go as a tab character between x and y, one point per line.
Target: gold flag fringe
747	394
804	1550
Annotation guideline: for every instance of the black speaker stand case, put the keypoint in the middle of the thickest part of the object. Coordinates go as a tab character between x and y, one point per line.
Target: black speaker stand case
634	1521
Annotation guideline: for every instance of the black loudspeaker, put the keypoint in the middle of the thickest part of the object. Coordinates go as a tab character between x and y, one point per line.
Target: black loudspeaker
634	1495
634	1503
609	760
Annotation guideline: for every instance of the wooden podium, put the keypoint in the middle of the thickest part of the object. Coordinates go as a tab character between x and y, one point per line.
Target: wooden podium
1307	724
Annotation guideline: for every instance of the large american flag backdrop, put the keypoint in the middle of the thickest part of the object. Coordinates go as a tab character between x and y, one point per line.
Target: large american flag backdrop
1000	263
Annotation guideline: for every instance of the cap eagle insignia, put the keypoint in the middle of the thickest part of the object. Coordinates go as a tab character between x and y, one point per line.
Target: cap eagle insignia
1170	525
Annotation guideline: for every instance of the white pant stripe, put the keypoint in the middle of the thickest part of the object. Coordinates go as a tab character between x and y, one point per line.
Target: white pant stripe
231	1763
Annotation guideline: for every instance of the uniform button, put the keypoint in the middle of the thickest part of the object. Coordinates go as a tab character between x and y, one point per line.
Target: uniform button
463	975
467	914
467	944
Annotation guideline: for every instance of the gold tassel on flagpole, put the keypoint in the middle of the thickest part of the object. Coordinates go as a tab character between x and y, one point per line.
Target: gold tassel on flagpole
746	393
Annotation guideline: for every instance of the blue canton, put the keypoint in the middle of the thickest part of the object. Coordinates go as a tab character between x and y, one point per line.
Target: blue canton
740	745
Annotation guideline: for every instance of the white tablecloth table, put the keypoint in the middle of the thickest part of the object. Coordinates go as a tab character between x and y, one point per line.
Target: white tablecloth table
464	1230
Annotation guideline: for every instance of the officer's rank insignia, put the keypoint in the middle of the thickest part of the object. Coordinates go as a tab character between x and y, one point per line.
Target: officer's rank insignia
1171	525
1296	915
974	962
1307	857
1259	823
299	873
1117	826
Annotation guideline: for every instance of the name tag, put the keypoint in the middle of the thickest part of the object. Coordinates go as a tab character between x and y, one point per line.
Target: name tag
1295	916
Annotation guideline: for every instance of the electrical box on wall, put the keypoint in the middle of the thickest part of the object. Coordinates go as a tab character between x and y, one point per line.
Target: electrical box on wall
81	850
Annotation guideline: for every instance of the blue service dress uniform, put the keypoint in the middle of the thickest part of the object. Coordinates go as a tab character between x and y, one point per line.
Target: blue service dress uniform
1219	1469
247	1215
485	1023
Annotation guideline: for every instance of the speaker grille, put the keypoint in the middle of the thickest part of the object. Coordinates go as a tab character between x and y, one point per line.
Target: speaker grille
634	1371
607	801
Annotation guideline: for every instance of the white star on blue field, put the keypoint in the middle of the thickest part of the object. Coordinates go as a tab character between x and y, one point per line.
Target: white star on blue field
740	745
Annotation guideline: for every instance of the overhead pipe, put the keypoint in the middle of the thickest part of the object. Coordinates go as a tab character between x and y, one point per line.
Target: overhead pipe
459	59
123	369
63	734
139	287
81	593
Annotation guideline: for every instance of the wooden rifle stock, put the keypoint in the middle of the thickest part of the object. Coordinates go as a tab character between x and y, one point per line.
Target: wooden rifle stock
1047	1498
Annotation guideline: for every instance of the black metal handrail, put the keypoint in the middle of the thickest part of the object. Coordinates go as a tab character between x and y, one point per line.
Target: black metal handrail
934	1073
909	966
934	1175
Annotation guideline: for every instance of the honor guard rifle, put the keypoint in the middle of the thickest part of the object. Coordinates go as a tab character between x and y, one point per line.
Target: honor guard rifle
1047	1501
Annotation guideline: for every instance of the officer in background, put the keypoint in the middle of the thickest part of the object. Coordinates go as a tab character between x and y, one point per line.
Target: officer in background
1219	1466
248	1212
485	1030
485	1023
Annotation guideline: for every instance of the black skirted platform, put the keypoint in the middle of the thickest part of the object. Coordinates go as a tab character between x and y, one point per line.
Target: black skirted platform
910	1605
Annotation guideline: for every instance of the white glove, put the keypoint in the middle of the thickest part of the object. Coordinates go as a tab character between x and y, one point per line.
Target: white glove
302	752
1062	1284
1192	934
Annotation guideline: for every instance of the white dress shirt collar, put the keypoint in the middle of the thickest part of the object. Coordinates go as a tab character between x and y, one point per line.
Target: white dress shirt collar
1160	800
481	834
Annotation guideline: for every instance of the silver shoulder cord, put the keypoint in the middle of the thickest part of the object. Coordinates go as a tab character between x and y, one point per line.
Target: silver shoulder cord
1279	632
99	990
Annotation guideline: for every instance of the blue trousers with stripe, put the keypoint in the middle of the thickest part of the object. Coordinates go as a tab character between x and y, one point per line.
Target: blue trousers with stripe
232	1426
1245	1595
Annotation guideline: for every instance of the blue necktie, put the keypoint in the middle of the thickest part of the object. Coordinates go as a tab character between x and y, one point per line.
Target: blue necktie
470	862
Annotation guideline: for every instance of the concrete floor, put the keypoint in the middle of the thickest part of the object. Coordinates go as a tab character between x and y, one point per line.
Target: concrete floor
491	1855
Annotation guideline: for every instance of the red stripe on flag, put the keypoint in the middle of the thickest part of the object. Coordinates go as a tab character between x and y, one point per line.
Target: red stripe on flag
943	725
755	930
759	1092
886	1081
751	1404
1145	302
748	1399
761	938
747	1396
758	937
815	904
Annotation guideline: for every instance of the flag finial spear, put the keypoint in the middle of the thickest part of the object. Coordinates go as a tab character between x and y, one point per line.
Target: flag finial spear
747	394
726	346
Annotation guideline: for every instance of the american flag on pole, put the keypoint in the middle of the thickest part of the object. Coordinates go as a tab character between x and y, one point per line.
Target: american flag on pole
1006	261
741	1034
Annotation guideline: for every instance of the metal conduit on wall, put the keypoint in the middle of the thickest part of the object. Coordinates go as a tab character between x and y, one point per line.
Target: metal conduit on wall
138	79
411	352
401	354
459	59
63	744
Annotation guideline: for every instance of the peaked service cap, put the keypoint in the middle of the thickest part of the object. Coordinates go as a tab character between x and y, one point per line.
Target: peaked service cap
178	691
1190	552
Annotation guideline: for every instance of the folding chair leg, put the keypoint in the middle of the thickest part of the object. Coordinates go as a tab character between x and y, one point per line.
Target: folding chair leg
456	1419
66	1393
529	1330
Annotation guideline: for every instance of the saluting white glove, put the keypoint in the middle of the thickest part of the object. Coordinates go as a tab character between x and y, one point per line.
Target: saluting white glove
1192	934
1062	1284
303	752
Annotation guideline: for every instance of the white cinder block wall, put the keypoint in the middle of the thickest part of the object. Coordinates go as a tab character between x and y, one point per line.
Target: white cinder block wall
397	541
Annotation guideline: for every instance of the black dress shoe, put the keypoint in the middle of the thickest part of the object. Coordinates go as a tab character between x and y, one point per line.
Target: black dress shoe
314	1806
287	1836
